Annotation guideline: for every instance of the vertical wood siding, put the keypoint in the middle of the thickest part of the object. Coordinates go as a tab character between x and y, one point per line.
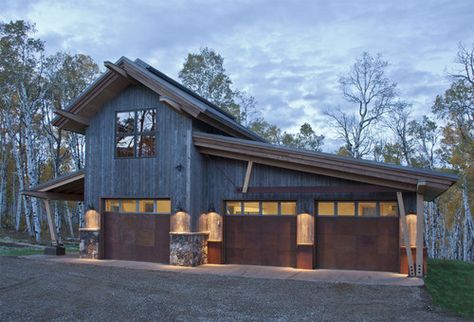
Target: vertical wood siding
157	177
194	182
226	175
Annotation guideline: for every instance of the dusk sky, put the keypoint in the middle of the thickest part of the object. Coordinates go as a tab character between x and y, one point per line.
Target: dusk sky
288	55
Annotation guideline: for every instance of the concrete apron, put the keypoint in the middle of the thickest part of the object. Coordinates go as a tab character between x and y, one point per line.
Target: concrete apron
251	271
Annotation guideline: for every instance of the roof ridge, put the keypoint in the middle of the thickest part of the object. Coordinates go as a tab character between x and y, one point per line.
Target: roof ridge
182	87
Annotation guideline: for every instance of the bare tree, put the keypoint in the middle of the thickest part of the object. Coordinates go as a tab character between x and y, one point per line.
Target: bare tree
398	122
465	58
426	137
367	87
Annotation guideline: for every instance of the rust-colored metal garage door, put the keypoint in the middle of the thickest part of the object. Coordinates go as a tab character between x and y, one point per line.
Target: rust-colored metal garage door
357	243
137	237
260	240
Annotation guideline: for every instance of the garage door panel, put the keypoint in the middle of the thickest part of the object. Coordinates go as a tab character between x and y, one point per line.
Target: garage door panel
367	228
344	260
344	227
260	240
388	230
371	244
270	241
137	237
127	236
146	238
344	243
365	242
328	229
383	244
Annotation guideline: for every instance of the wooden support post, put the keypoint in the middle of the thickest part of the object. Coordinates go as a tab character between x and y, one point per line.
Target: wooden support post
51	224
247	177
401	208
420	220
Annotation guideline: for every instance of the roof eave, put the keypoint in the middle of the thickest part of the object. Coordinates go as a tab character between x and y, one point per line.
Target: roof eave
306	161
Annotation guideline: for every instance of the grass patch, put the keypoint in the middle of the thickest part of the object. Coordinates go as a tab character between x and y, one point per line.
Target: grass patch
25	251
72	249
19	251
451	285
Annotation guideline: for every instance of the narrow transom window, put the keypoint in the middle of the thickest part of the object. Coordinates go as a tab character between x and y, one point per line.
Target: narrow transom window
258	208
357	208
135	134
145	206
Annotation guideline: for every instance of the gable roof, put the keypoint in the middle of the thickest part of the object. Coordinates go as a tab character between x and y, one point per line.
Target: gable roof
125	73
400	178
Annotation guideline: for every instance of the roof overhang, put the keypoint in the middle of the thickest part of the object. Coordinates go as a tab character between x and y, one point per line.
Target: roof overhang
405	179
68	187
125	72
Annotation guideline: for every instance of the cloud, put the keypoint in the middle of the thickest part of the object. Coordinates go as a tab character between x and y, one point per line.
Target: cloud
287	55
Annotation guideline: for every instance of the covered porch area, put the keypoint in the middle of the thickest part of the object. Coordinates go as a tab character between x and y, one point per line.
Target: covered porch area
69	187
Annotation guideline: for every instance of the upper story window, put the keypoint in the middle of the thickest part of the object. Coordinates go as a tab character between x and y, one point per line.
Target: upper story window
135	134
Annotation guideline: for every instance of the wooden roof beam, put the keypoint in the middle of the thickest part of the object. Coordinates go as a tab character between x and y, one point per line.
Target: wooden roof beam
171	102
116	69
247	177
421	186
73	117
54	195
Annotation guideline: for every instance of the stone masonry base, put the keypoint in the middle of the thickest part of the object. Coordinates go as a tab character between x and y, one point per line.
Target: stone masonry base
89	243
188	249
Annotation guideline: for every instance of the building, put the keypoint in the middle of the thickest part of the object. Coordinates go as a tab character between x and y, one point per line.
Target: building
172	178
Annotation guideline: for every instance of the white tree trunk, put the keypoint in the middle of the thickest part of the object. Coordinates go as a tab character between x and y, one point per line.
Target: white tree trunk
57	219
467	224
32	169
69	221
3	184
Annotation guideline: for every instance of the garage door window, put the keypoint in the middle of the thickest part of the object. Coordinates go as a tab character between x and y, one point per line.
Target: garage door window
388	209
345	209
367	209
270	208
251	208
257	208
158	206
357	208
326	209
288	208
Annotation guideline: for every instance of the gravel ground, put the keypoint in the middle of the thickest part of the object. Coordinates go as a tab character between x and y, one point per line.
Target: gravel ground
37	290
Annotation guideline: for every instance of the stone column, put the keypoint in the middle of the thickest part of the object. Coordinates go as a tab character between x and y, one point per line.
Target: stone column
89	243
188	248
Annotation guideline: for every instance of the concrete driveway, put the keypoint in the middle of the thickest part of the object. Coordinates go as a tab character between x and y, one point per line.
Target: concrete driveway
252	271
37	290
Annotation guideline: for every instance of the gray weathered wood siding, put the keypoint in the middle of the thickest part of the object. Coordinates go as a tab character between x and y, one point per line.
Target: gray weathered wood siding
157	177
194	182
226	175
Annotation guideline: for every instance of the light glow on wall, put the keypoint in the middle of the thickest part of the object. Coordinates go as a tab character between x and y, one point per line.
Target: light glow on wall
180	222
214	226
92	219
411	226
305	229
